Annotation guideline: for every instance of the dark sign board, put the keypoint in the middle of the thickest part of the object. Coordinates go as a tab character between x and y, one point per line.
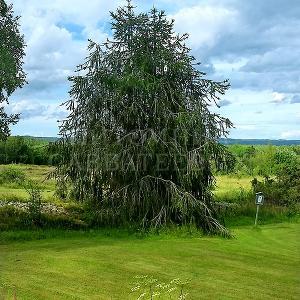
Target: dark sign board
259	199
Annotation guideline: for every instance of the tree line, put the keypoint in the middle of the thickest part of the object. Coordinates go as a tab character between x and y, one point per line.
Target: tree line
23	150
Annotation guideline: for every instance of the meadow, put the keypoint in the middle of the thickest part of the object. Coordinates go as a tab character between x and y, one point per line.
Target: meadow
14	191
225	184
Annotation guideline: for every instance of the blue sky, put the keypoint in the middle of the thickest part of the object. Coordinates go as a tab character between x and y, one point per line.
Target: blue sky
255	44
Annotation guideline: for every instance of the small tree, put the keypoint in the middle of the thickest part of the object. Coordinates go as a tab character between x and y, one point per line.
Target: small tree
140	140
12	52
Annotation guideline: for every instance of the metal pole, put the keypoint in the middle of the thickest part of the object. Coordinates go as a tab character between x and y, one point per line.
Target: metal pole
257	209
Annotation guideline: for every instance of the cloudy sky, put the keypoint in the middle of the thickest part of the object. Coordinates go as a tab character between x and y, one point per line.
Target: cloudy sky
255	44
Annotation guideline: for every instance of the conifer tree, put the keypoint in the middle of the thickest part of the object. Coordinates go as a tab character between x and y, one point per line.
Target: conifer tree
140	140
12	52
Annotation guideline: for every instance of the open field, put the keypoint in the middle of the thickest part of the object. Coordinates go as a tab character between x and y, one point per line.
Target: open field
229	189
225	185
13	191
257	264
34	172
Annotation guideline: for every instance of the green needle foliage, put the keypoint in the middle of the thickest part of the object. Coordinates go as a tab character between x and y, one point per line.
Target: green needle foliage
140	141
12	52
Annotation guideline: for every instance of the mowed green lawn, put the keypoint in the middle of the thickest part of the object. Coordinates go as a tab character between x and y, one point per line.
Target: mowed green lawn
256	264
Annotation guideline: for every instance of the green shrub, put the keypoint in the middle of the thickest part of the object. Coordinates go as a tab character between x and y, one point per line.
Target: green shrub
61	222
284	189
263	160
11	217
12	175
285	159
245	214
34	202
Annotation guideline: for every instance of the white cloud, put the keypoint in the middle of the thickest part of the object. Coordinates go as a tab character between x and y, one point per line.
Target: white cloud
278	97
52	52
271	120
225	67
204	23
291	134
74	11
246	126
35	109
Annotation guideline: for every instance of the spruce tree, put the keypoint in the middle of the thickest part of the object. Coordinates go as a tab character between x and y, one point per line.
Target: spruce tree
140	141
12	52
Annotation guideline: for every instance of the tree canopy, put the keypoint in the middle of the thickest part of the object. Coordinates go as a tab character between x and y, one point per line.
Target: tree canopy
140	140
12	52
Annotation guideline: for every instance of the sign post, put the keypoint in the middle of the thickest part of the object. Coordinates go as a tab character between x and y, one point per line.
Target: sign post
259	200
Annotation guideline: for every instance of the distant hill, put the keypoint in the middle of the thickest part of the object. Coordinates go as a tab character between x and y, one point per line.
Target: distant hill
42	138
222	141
259	142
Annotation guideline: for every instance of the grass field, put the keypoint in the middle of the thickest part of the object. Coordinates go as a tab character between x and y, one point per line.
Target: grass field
226	184
13	191
256	264
101	264
35	172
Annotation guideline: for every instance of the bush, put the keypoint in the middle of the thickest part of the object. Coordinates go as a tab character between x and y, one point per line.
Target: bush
284	158
263	160
284	189
11	217
34	203
12	175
